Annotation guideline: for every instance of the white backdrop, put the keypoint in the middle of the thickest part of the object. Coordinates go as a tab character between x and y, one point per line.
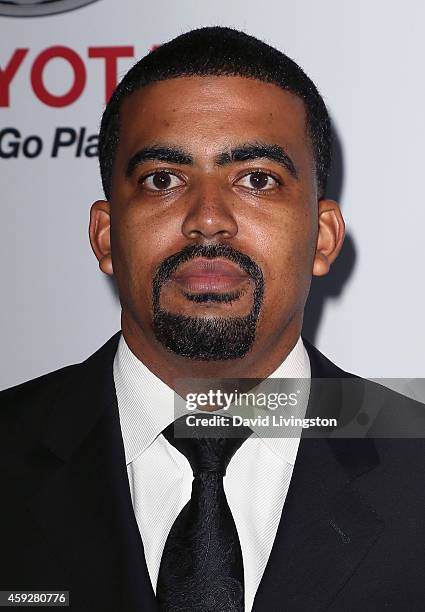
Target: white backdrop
367	60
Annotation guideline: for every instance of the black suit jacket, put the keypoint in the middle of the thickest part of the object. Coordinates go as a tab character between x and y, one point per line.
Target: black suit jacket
351	536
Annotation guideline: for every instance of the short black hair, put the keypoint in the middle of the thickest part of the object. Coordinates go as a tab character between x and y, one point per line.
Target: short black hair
219	51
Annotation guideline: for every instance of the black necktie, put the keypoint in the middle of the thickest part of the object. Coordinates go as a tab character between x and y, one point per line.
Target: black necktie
201	567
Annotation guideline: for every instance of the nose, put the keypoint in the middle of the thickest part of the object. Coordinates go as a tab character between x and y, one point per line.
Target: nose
209	215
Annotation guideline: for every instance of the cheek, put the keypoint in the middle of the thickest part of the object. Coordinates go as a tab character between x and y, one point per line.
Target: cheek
287	249
139	244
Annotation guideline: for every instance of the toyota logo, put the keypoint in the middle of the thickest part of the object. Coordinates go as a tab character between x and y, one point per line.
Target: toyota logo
36	8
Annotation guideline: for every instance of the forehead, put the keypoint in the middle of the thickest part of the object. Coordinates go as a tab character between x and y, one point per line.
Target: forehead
208	114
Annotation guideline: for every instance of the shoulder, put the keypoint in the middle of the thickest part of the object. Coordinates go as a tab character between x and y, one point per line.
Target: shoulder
322	366
25	408
368	409
31	389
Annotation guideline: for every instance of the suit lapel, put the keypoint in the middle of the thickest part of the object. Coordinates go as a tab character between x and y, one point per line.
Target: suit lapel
83	503
326	528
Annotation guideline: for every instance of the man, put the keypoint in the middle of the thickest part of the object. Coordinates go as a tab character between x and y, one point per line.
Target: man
214	153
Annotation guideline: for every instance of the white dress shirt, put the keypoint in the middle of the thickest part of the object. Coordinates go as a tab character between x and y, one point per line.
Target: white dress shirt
160	477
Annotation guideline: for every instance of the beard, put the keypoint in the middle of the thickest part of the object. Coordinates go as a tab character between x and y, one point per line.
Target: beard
203	338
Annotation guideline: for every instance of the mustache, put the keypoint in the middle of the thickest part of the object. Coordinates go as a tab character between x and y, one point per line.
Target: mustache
170	264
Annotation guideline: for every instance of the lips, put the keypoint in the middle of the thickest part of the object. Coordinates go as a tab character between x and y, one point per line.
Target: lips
202	275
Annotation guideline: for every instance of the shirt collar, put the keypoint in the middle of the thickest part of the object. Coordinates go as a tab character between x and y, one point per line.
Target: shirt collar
146	403
295	366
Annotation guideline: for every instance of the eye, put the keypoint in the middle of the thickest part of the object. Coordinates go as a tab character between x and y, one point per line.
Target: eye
258	181
161	180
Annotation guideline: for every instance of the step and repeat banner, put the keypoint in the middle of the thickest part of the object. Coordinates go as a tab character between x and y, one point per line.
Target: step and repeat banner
59	62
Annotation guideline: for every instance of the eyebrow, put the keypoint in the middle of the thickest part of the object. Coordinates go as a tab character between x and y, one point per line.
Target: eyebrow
172	155
260	150
245	152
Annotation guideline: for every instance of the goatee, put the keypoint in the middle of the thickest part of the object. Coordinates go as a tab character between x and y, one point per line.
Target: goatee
207	339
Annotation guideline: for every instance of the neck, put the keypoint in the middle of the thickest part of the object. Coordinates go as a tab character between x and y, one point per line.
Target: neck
263	359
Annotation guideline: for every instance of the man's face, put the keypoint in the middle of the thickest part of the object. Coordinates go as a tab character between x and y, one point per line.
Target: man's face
214	214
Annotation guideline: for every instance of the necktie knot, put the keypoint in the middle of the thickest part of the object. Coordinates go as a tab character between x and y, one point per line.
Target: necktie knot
209	448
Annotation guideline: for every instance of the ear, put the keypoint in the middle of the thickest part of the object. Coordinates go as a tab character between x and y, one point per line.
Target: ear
100	234
329	238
